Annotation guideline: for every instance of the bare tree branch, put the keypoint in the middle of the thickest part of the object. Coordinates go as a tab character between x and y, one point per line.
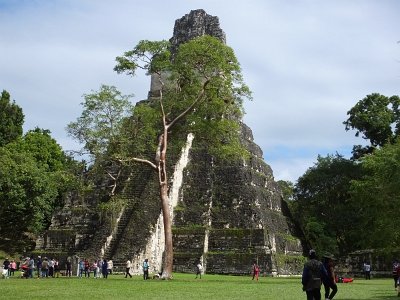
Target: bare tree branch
141	160
114	186
191	107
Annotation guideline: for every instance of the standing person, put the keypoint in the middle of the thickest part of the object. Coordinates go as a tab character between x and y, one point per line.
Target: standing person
99	265
314	274
56	268
81	267
13	267
395	271
31	266
146	269
104	269
39	266
367	269
45	268
330	283
51	267
24	267
110	266
87	268
199	269
6	266
256	270
94	268
128	269
69	266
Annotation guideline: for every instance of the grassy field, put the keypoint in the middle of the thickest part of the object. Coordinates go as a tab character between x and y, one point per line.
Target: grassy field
183	286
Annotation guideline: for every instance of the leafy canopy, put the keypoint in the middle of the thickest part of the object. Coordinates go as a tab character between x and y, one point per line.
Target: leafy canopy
11	119
377	119
323	205
34	174
378	195
203	78
101	119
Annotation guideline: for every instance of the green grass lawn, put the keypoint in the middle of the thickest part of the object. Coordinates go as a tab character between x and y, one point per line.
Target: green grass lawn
184	286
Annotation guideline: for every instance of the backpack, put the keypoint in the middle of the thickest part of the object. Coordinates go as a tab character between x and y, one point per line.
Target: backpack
314	280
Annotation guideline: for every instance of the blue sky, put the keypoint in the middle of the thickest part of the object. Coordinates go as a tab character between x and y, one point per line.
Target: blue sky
306	61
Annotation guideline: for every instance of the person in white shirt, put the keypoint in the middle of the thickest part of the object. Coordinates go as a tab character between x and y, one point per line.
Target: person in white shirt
128	269
110	266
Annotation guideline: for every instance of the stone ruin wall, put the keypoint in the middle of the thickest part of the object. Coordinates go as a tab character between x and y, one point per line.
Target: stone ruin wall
225	215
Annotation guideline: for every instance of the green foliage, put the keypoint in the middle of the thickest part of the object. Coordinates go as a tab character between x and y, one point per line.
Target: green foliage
34	174
323	205
377	118
101	119
318	234
27	195
11	120
43	148
287	189
378	195
202	87
153	57
353	204
205	65
139	133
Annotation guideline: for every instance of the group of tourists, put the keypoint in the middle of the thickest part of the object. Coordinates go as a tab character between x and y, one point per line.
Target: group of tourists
39	267
50	268
99	268
46	267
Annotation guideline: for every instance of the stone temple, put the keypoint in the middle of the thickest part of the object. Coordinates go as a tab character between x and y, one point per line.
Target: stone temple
225	215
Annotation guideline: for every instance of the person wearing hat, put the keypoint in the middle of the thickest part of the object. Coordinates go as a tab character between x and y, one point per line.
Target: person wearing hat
314	274
331	283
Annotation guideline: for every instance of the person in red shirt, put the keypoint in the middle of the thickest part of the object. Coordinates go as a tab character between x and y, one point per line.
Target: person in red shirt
256	270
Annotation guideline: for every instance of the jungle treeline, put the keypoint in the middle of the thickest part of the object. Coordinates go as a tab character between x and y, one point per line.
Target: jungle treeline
340	204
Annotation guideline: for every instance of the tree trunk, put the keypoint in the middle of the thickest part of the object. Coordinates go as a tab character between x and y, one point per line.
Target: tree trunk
169	254
163	180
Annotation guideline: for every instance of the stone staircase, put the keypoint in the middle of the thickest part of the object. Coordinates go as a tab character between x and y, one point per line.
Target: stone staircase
132	192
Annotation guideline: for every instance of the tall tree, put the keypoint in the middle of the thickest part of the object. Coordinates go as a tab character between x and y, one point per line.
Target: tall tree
323	205
98	128
201	90
26	196
378	195
34	174
377	118
11	119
